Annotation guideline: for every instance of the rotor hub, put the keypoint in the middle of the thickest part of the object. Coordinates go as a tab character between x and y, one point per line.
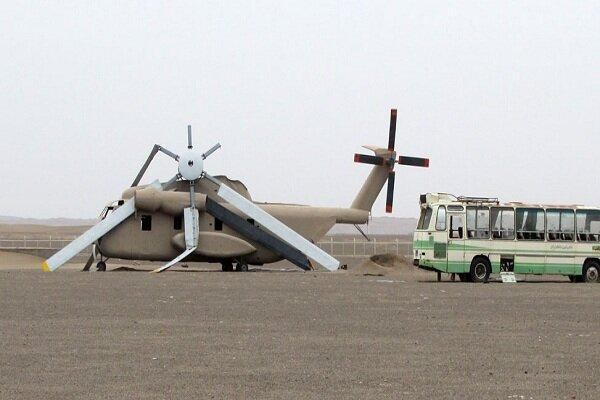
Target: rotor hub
190	166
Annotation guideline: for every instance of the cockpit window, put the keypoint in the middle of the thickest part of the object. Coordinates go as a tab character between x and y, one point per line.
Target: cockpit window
440	222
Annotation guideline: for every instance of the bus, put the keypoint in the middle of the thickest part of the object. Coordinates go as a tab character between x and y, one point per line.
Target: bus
474	237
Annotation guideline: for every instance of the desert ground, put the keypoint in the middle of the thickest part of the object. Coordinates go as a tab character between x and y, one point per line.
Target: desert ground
282	333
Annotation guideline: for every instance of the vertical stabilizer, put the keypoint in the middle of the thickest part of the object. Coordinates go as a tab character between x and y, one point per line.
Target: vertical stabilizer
369	191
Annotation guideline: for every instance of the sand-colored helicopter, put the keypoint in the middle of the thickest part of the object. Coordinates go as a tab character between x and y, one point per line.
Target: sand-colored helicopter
198	217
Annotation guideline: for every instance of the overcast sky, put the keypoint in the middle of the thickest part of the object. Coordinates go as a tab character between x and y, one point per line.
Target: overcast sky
504	97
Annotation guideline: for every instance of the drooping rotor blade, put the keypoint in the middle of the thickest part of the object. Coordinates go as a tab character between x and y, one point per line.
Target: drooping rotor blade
174	261
413	161
392	137
90	236
192	227
390	192
366	159
275	226
254	233
191	232
189	137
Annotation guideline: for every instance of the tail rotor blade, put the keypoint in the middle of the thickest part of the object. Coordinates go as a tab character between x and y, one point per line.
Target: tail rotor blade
413	161
390	192
392	138
366	159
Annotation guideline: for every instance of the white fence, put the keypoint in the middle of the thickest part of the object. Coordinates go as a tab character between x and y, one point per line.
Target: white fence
333	245
363	248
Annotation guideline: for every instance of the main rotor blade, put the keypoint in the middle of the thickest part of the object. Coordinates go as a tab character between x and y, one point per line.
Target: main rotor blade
94	233
413	161
390	192
90	236
392	137
275	226
174	261
366	159
191	233
189	136
254	233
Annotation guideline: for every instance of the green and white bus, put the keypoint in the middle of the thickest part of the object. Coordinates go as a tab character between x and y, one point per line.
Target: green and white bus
474	237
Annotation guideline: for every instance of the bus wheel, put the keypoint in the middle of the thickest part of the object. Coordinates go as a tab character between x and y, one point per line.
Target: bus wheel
480	269
591	271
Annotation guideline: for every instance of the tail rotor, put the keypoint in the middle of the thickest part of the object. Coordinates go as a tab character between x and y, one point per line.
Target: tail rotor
388	159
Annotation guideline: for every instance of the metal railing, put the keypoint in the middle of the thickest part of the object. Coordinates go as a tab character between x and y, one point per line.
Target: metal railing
363	248
333	245
28	243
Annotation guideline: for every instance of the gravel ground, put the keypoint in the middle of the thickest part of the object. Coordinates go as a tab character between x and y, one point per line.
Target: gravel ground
206	334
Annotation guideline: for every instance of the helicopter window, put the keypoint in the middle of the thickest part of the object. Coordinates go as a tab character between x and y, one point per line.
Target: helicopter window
146	222
177	223
218	224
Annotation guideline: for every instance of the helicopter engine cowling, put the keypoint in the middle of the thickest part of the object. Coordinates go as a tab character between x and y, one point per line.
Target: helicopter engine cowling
171	203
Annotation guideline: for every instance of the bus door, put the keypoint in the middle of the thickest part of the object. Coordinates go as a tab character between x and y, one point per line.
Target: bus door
456	243
439	239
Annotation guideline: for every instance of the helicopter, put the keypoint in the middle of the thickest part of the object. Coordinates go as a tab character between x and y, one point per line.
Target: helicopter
198	217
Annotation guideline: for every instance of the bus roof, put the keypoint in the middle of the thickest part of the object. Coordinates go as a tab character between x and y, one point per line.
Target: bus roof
429	199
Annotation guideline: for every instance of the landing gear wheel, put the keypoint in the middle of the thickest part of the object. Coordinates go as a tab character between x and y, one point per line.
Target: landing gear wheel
101	266
240	267
227	267
480	270
591	272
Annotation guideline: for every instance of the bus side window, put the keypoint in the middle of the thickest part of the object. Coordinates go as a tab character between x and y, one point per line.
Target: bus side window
560	224
503	223
456	227
530	224
478	222
588	225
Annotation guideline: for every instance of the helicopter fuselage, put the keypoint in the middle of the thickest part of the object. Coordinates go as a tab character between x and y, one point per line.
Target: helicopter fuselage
158	236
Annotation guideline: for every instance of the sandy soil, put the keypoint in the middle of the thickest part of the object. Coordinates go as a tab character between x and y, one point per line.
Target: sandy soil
383	265
274	334
11	260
